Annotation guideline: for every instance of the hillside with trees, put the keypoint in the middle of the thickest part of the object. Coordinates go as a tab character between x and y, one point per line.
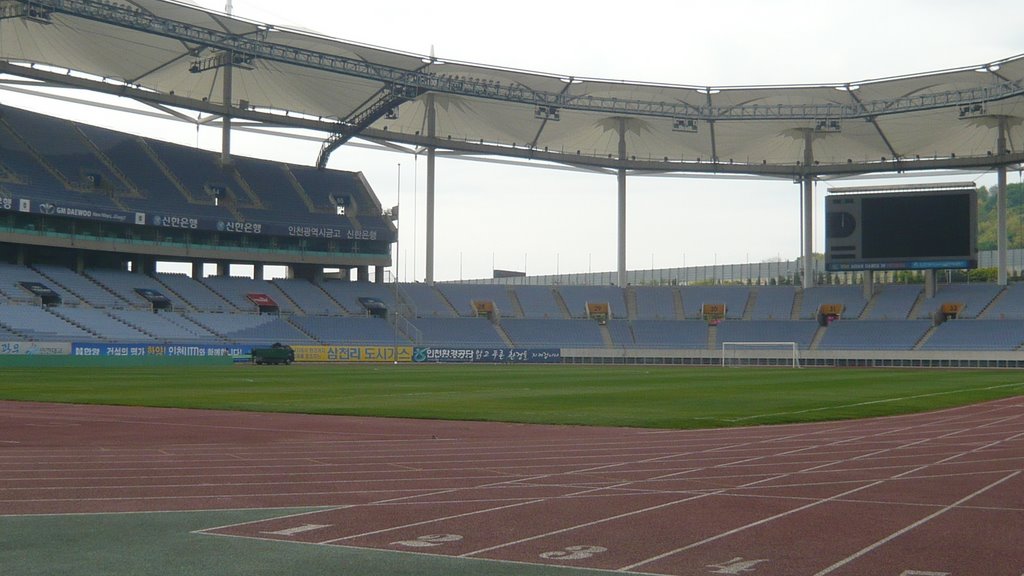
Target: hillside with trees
988	224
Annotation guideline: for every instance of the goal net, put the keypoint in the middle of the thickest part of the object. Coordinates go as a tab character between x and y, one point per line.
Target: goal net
785	354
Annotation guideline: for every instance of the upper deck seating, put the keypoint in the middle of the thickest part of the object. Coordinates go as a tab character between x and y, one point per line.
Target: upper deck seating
974	297
734	297
655	302
893	302
425	300
64	149
576	299
774	303
851	297
1009	306
538	302
199	172
348	294
461	297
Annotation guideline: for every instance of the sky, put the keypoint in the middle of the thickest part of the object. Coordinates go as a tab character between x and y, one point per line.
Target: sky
545	221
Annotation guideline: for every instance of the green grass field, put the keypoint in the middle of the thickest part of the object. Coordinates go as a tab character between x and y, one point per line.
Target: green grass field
664	397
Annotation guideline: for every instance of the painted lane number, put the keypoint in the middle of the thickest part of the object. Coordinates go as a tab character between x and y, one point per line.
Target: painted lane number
429	540
573	553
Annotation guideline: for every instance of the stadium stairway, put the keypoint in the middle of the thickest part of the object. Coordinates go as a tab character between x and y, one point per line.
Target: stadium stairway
504	335
36	156
915	310
444	298
992	304
798	305
677	303
818	335
304	332
517	312
748	311
630	297
300	191
562	306
924	338
869	307
76	324
168	173
254	199
128	188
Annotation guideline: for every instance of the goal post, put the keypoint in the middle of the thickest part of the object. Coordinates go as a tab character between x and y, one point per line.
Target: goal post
784	354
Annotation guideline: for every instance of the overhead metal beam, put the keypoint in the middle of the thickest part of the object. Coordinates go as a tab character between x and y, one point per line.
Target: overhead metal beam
387	102
785	171
257	46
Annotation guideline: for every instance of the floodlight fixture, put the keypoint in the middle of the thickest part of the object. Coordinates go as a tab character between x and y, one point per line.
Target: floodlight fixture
220	60
28	11
975	110
431	59
547	113
684	125
826	125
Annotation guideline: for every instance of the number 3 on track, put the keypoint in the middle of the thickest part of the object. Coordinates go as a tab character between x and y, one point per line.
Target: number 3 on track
573	553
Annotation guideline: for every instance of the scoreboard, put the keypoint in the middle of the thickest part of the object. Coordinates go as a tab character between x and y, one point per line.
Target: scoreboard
922	227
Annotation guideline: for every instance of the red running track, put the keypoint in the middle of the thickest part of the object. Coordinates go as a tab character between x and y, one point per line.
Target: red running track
924	495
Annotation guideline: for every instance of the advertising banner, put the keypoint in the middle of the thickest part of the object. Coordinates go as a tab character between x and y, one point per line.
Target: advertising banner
488	355
353	353
35	348
189	350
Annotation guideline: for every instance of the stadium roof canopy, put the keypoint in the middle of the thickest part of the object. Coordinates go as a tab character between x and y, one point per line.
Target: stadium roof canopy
177	56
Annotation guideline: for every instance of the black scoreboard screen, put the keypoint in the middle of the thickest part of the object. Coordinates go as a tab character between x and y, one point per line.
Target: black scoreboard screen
910	228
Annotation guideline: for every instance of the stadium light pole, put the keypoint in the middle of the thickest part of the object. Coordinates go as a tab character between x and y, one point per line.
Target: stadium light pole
398	239
1002	239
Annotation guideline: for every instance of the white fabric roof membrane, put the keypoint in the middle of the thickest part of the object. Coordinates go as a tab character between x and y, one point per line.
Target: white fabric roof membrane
173	53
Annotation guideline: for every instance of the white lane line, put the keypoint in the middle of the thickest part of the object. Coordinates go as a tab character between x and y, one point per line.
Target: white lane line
906	529
699	496
833	498
871	402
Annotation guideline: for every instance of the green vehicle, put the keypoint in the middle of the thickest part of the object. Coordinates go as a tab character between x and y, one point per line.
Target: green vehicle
276	354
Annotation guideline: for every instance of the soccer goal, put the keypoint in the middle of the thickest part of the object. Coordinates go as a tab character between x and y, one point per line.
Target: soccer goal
785	354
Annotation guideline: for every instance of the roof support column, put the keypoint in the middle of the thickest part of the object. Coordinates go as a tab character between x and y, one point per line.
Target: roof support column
622	205
225	136
807	251
431	157
1002	241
